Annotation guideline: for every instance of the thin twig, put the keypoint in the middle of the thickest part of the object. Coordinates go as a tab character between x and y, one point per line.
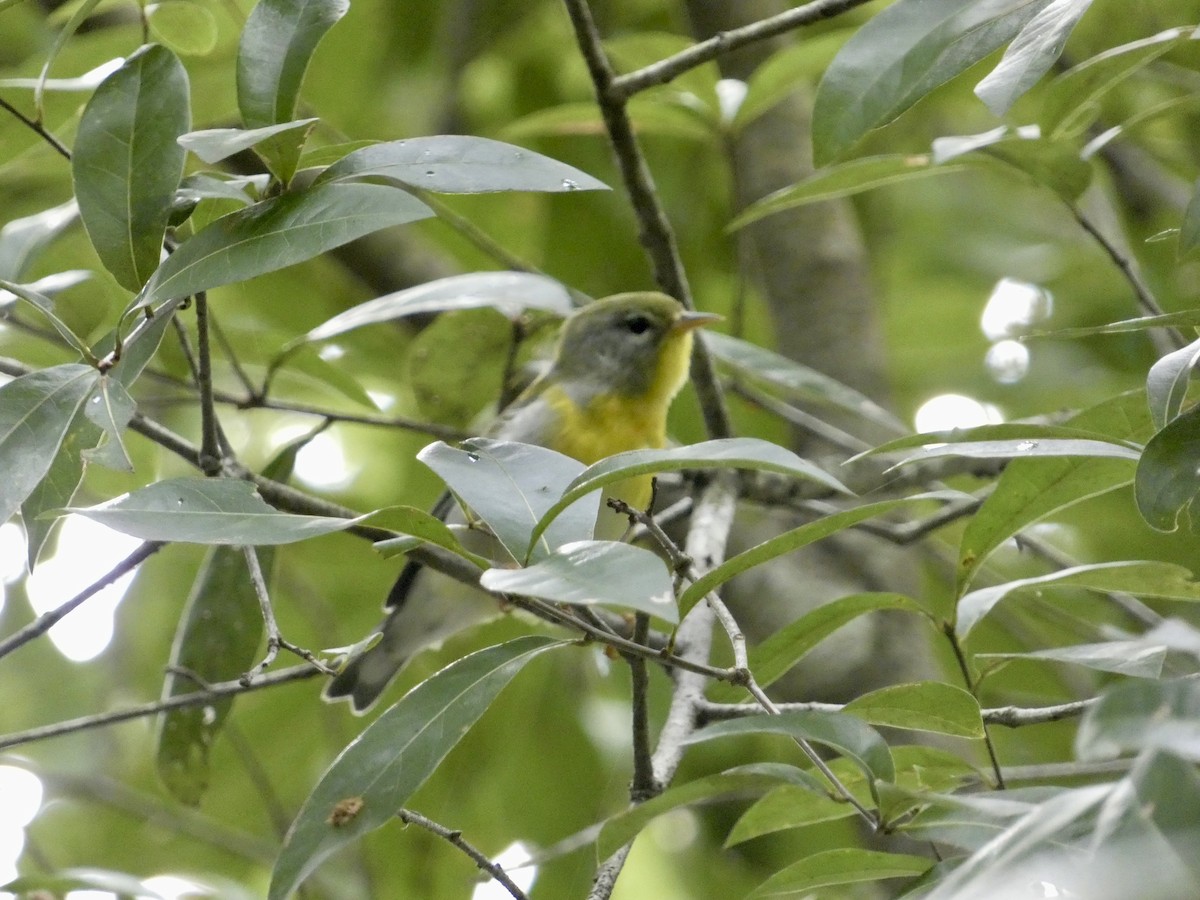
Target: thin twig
227	349
165	438
47	620
680	562
683	565
642	786
185	347
433	429
707	536
871	818
182	701
1145	297
625	86
968	680
275	639
1058	771
1007	716
58	146
1016	716
408	817
211	457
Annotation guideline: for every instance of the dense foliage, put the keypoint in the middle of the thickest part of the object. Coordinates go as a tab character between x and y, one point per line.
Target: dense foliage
265	268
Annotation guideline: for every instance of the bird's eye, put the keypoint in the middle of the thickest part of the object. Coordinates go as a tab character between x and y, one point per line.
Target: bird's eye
637	324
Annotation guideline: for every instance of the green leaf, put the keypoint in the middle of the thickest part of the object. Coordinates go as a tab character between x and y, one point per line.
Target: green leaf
276	45
988	872
625	826
787	806
461	164
1135	715
584	573
327	154
510	486
418	524
394	756
215	144
453	394
190	28
1167	383
726	453
45	306
1167	792
1025	448
60	883
217	640
509	292
901	55
1188	318
126	164
922	706
1144	579
1031	54
1189	229
21	240
795	382
969	821
80	14
845	180
140	347
849	736
847	865
1031	489
276	233
1071	101
199	187
56	488
1138	659
206	511
110	408
1166	480
1055	165
775	656
1007	433
36	410
786	543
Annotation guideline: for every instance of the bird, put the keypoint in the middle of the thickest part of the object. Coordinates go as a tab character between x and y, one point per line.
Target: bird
617	365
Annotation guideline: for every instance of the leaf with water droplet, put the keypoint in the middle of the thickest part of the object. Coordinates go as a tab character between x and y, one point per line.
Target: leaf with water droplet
207	511
217	640
460	164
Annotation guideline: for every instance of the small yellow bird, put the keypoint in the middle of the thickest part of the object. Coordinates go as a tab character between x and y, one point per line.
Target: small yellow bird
618	365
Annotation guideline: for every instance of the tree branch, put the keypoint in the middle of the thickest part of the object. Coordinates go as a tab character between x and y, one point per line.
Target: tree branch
1164	340
408	817
1007	716
654	229
48	620
58	146
182	701
707	536
625	86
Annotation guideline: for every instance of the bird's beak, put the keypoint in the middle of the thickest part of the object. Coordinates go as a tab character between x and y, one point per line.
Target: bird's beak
689	321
